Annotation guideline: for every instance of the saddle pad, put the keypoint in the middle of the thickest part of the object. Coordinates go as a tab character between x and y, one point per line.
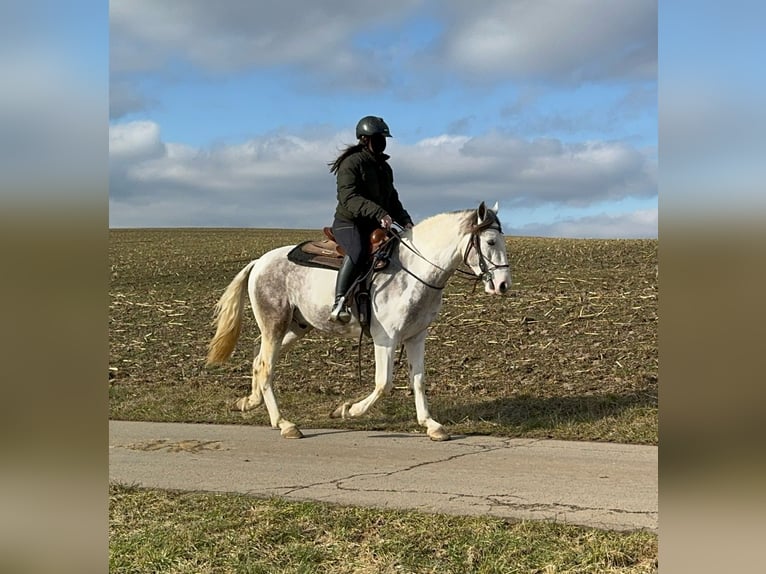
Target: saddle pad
317	258
326	247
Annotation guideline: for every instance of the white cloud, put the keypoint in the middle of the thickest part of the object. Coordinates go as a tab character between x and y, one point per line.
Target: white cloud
552	40
146	34
136	140
633	225
526	172
540	41
284	178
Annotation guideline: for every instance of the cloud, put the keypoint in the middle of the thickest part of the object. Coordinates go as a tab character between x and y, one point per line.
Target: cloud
282	180
553	41
524	172
633	225
125	98
136	140
172	41
339	45
276	180
148	35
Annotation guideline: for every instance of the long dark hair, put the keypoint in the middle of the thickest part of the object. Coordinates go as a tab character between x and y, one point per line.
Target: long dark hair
335	165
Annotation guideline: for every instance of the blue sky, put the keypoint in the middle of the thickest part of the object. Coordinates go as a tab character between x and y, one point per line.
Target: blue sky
226	114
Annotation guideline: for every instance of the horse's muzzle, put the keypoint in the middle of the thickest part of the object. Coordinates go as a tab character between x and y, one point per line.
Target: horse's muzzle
496	288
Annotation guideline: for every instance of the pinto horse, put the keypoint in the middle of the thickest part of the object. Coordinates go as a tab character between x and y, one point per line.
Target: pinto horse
288	300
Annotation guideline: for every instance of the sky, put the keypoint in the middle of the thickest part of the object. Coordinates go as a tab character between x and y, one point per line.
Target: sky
226	114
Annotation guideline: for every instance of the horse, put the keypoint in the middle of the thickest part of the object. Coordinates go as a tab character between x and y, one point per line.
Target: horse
289	300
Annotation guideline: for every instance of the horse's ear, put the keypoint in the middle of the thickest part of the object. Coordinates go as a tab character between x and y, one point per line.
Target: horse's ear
495	207
481	213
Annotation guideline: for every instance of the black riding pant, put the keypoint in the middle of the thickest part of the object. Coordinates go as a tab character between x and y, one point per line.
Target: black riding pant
354	238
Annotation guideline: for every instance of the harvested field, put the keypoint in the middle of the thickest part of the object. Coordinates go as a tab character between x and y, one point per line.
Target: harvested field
570	352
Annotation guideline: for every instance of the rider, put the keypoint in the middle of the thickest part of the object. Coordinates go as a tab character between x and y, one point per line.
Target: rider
367	200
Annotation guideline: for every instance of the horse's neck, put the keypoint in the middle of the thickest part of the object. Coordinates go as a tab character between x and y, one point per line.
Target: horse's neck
439	242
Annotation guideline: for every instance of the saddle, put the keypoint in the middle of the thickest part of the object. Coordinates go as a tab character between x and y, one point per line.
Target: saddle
326	253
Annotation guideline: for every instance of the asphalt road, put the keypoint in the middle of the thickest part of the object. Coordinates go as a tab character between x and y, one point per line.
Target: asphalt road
602	485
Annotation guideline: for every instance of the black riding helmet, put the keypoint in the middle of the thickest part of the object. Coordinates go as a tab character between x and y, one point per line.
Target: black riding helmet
372	125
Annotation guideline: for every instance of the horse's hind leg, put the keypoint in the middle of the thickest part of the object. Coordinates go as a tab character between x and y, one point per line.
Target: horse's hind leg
269	355
416	357
297	329
263	373
255	399
278	327
263	383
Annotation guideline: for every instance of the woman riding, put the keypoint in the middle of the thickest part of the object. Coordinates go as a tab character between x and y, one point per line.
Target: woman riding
367	200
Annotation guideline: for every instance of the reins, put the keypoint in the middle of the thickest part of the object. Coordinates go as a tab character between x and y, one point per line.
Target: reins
396	235
475	243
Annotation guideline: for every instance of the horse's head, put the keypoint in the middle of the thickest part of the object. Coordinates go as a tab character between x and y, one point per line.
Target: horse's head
486	252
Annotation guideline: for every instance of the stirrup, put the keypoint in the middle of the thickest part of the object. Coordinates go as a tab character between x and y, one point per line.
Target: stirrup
340	312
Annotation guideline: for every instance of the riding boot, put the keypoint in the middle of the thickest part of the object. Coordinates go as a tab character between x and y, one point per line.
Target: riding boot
346	276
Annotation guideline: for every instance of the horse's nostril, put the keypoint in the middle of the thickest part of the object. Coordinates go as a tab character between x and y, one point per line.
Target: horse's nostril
503	287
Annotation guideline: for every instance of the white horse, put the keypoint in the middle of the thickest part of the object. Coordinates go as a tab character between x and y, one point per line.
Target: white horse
288	300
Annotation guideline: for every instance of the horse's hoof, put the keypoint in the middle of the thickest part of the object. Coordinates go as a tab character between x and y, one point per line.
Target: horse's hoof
292	432
238	405
245	404
341	412
439	434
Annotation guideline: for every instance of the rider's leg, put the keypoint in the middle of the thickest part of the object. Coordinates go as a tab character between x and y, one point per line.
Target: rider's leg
349	236
346	276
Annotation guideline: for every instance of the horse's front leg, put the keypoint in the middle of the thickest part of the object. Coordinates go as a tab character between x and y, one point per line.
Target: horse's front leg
416	347
384	382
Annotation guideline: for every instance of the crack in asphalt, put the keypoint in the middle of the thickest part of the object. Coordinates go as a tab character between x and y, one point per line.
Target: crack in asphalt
338	482
492	501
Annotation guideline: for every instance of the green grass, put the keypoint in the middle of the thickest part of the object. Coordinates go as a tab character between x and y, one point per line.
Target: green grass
158	531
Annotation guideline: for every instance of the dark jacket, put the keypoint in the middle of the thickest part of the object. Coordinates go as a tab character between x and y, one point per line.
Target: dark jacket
366	190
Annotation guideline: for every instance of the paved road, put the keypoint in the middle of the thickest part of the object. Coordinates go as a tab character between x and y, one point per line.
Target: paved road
601	485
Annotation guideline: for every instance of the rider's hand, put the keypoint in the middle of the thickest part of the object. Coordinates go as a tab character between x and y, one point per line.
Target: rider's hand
386	222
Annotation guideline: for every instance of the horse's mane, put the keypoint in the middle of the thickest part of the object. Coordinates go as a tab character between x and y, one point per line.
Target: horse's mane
432	229
432	232
466	221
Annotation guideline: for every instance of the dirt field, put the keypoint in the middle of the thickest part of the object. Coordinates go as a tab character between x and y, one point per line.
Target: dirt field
570	352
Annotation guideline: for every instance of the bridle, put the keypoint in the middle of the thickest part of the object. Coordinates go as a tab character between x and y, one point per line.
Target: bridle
475	243
486	265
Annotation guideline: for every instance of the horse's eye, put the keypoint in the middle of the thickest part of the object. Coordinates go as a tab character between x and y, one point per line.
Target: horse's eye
491	242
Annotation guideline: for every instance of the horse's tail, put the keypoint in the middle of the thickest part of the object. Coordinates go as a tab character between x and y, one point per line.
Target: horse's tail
228	318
